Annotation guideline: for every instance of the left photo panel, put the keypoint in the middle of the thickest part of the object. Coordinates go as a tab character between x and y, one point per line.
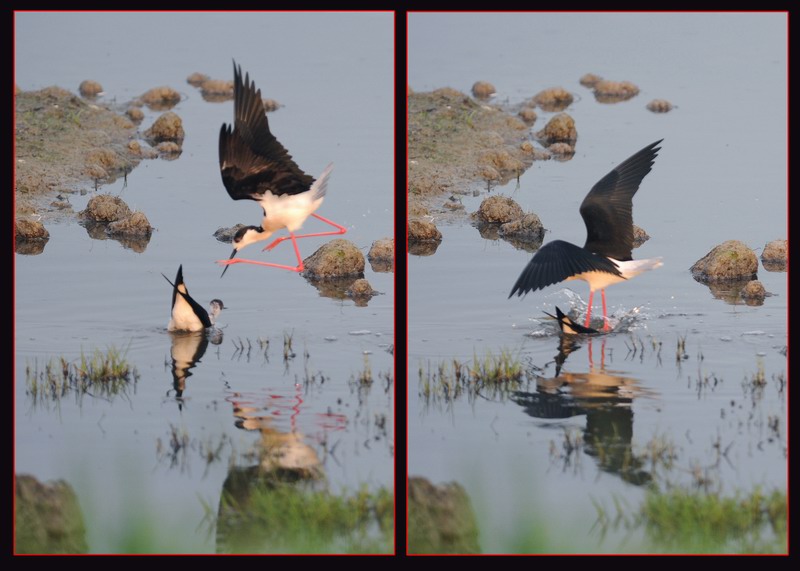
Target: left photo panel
204	287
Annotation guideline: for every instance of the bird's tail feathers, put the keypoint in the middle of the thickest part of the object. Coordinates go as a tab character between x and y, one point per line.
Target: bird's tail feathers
635	267
320	186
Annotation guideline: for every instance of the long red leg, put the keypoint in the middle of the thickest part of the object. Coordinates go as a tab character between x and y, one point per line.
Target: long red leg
589	310
605	318
298	268
341	230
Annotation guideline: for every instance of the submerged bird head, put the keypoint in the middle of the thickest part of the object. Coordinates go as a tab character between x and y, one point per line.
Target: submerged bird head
216	306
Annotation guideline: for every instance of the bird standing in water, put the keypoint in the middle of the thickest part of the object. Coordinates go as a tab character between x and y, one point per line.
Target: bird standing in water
605	258
187	314
255	166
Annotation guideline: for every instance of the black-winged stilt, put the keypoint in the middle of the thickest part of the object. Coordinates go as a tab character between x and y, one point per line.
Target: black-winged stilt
568	326
187	314
255	166
605	259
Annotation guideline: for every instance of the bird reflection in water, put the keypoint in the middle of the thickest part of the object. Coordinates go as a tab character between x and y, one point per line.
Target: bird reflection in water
604	396
283	451
188	347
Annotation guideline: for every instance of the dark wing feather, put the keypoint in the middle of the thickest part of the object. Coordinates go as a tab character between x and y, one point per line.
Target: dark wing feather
557	261
608	208
198	309
251	159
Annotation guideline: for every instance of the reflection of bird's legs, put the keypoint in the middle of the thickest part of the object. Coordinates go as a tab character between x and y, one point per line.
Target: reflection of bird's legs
296	406
340	230
298	268
603	355
589	309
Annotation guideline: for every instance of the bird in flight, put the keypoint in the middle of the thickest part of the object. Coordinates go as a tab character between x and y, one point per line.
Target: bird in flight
187	314
255	166
606	257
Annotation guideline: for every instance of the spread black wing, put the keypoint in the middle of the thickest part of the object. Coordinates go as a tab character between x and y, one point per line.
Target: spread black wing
556	261
608	208
251	159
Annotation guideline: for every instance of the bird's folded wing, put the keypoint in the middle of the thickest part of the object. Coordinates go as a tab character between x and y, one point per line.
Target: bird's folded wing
198	309
555	262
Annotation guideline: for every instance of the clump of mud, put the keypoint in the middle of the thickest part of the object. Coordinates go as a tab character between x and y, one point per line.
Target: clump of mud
607	91
754	293
659	106
775	256
89	88
561	151
528	228
381	255
135	114
483	89
105	208
639	236
30	230
337	259
270	105
560	129
423	231
553	99
61	142
134	225
455	142
536	154
161	98
137	149
216	90
197	79
168	127
498	210
361	292
589	79
169	150
731	260
528	115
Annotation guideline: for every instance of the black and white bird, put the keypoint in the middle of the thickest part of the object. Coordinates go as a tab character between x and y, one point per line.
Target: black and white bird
255	166
568	326
605	258
187	314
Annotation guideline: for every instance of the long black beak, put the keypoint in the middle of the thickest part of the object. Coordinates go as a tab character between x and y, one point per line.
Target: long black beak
233	254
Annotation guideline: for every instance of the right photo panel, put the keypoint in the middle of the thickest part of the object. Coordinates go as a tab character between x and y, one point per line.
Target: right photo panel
597	283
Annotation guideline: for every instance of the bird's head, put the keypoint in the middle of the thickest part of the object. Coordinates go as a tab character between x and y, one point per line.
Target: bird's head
247	235
216	307
244	237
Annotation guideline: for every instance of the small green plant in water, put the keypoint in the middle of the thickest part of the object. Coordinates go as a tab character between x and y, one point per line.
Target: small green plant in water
99	375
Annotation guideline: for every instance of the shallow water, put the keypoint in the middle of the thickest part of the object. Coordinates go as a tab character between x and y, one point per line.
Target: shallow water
333	73
721	174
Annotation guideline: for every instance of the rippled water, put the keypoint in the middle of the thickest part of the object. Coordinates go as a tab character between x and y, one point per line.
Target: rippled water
721	175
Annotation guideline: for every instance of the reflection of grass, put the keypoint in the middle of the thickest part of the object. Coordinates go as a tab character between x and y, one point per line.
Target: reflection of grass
282	518
99	375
